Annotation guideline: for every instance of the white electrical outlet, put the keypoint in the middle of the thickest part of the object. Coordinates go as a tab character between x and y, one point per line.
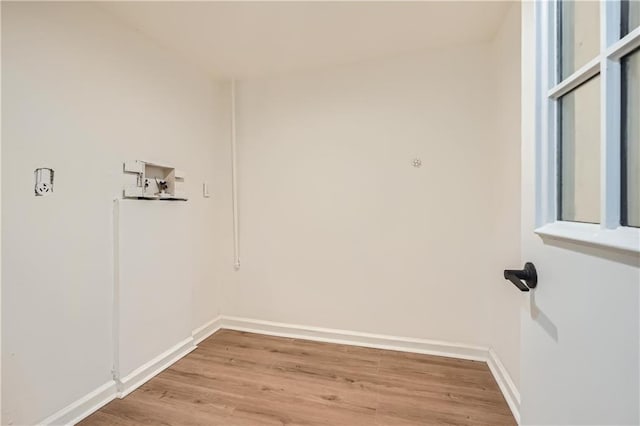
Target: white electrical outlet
44	181
205	190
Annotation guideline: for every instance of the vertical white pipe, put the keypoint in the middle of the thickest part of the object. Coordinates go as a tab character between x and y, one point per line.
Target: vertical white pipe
115	332
234	179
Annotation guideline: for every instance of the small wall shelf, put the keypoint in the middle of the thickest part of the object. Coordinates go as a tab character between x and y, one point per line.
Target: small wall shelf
154	182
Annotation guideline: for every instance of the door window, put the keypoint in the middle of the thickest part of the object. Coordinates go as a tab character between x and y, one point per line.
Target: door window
588	125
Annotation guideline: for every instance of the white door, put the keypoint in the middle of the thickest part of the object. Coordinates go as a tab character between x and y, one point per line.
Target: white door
580	330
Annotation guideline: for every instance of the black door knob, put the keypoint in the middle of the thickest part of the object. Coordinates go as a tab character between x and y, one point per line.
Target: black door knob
528	275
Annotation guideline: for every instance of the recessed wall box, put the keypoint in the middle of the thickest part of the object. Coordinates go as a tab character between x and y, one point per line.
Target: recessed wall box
153	181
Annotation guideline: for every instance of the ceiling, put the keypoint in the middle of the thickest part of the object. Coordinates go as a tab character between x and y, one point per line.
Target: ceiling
251	39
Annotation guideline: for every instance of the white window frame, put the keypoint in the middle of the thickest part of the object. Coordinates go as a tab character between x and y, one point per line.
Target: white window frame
608	233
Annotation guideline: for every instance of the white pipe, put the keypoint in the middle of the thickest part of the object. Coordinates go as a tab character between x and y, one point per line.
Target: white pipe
115	315
234	179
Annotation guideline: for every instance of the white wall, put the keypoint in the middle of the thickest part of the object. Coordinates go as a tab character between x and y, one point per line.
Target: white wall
339	230
154	297
504	300
86	94
581	329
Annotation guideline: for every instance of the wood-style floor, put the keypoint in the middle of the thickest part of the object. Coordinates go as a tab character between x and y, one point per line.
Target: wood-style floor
236	378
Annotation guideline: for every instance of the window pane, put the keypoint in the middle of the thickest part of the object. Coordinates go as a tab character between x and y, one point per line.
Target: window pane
630	15
631	140
579	34
579	151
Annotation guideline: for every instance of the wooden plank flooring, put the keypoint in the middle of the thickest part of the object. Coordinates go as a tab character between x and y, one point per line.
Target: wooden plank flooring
236	378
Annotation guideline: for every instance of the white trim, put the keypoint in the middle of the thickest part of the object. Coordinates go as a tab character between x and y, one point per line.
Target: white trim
96	399
624	46
379	341
81	408
145	372
586	72
546	114
505	383
610	119
609	233
203	332
621	238
355	338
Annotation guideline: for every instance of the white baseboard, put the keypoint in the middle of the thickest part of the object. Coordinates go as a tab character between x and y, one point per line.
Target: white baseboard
201	333
86	405
379	341
404	344
145	372
78	410
508	388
